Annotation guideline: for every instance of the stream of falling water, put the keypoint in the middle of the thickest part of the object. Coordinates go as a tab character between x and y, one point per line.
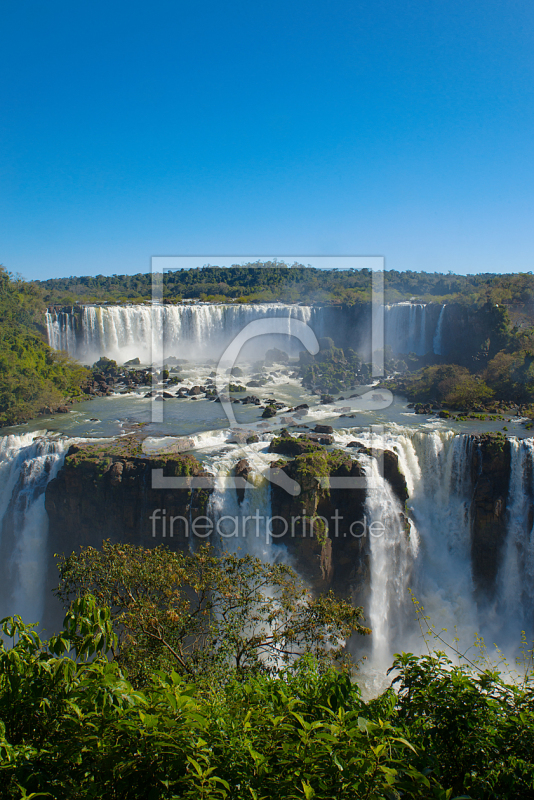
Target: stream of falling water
27	463
243	528
515	579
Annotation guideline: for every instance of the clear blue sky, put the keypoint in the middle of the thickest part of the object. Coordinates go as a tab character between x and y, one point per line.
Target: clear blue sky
132	129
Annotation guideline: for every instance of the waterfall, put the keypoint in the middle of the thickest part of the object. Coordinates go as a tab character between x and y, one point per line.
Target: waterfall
27	463
409	326
392	554
203	329
438	336
437	468
244	528
432	558
515	580
61	330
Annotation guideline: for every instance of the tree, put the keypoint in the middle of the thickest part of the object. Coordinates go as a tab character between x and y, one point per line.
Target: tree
207	616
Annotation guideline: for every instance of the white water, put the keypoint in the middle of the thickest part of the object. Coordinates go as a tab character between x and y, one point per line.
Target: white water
438	336
204	329
515	580
125	332
437	467
409	328
392	554
244	528
433	559
27	463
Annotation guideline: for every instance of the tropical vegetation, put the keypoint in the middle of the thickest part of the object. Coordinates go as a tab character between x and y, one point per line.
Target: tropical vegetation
32	375
75	725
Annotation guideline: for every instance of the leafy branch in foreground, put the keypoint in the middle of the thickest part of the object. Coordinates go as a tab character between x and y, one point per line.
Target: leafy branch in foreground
205	615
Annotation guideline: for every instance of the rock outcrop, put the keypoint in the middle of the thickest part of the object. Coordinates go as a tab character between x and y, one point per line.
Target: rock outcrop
490	472
109	491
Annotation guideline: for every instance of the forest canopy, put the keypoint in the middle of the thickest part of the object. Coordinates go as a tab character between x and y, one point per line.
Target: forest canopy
277	281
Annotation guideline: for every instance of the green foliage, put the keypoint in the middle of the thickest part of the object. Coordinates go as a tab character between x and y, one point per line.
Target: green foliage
80	730
32	374
73	727
207	617
478	729
449	384
271	281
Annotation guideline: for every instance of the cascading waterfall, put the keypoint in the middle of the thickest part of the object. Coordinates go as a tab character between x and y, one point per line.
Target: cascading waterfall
243	528
204	329
27	464
515	580
406	328
392	554
432	555
437	468
61	330
124	332
413	328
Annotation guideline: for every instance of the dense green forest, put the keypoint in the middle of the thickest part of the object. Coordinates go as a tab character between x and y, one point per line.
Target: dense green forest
276	281
77	721
32	375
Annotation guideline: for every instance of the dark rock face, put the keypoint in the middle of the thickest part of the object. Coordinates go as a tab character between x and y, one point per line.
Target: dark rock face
394	476
241	470
105	492
490	471
315	526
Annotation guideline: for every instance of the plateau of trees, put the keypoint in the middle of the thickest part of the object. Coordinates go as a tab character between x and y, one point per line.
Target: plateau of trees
278	281
76	724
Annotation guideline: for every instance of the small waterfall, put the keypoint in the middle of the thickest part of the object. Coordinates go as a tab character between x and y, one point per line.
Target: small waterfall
409	326
438	336
243	528
27	464
406	328
61	330
124	332
515	580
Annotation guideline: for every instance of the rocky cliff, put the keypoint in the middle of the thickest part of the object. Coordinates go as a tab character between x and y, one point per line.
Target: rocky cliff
105	491
322	526
490	473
